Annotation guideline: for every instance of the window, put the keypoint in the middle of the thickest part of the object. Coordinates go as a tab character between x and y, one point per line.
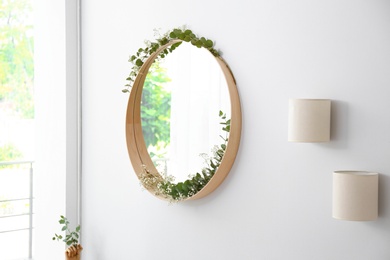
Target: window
56	120
16	128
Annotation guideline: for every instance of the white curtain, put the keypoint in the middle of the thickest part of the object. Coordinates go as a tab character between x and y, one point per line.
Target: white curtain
199	92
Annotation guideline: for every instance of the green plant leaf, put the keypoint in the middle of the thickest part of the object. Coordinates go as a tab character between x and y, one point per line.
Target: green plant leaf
70	236
181	36
184	187
139	62
187	36
209	44
177	44
176	32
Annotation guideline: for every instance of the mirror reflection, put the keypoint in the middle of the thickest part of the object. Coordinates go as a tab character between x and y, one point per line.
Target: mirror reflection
181	100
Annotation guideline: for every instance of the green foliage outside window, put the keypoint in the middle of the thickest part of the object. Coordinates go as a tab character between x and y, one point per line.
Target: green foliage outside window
16	57
8	153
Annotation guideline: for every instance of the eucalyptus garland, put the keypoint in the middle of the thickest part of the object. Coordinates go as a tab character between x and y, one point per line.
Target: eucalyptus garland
165	186
181	34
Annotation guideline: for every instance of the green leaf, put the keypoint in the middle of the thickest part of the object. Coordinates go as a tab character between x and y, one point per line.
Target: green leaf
132	58
212	164
209	44
177	44
179	187
139	62
185	187
163	41
178	31
181	36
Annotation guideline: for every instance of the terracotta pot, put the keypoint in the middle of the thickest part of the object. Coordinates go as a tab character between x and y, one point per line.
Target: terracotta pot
73	252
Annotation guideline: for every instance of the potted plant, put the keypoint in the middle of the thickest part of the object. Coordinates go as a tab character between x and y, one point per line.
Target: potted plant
71	239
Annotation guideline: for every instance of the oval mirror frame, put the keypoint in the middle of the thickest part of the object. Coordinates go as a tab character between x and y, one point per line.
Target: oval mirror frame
137	150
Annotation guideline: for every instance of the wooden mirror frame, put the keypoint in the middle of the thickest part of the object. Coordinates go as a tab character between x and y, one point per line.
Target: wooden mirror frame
137	149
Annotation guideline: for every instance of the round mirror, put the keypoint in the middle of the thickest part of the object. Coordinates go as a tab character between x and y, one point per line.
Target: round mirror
183	122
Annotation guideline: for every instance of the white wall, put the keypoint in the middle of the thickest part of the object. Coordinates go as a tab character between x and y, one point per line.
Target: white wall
276	202
56	122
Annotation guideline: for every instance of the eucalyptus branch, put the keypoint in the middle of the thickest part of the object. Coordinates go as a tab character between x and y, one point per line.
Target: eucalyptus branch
164	185
143	54
71	237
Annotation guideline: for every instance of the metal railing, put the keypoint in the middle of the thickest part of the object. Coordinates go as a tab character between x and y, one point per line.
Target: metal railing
30	198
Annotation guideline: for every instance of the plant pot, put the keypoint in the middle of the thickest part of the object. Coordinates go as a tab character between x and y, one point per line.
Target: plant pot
73	252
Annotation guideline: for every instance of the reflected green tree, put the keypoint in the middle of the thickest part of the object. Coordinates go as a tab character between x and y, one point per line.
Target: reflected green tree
156	110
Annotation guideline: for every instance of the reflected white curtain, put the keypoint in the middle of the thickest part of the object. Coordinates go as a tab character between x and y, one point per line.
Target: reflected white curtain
199	92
